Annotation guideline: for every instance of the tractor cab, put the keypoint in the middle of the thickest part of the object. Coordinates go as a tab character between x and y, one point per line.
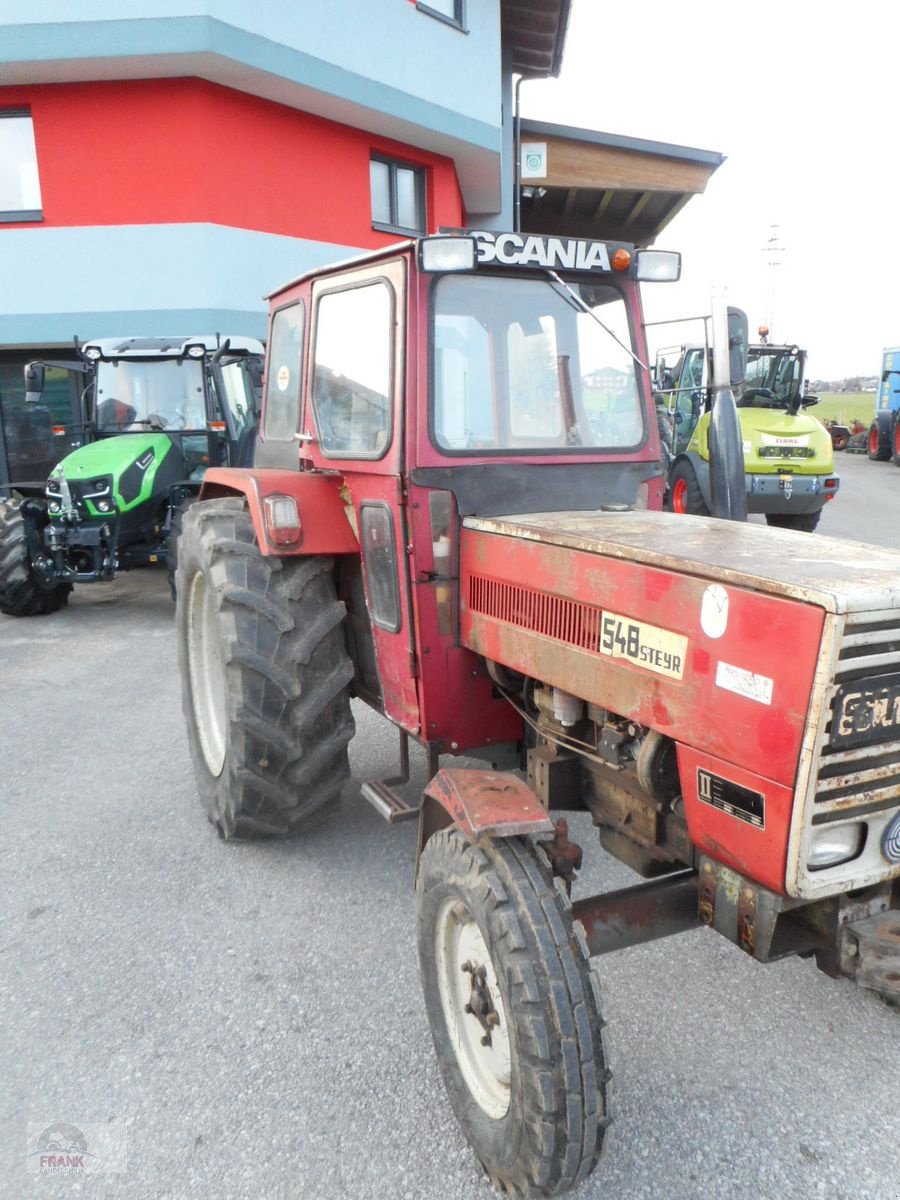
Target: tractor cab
152	415
787	453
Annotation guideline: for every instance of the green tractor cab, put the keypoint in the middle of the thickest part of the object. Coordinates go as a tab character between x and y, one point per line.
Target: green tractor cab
788	453
156	412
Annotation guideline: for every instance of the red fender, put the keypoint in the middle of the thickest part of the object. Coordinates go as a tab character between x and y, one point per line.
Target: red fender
481	804
324	515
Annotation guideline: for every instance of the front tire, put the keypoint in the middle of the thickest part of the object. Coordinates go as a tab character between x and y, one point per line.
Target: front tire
22	592
495	932
804	522
265	674
685	494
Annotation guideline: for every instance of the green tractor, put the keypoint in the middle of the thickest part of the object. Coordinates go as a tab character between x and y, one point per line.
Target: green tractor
788	453
152	415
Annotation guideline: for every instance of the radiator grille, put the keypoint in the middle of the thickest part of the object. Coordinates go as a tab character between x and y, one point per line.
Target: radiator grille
568	621
865	779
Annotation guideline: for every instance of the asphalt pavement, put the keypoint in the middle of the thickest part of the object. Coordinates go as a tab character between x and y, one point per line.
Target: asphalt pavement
237	1021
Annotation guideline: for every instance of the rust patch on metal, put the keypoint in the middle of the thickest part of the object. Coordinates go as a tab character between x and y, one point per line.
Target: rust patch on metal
565	856
488	803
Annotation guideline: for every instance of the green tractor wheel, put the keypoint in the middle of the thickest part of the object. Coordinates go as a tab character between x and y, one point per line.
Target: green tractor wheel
685	494
804	522
22	592
175	526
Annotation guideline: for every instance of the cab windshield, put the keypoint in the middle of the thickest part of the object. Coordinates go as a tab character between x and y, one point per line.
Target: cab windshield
158	394
519	368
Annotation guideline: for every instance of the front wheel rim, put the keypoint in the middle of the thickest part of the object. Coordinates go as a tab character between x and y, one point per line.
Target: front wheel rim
487	1069
206	667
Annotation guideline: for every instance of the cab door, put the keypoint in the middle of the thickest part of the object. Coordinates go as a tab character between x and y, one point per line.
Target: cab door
353	422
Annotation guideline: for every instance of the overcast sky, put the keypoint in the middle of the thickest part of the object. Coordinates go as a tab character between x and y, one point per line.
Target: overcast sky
803	99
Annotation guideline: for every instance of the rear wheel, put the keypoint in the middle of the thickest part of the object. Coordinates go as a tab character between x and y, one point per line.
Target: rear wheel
685	494
514	1012
895	439
804	522
265	674
878	446
22	592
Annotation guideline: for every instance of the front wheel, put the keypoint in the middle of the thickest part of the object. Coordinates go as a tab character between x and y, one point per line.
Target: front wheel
264	672
685	494
22	592
514	1014
804	522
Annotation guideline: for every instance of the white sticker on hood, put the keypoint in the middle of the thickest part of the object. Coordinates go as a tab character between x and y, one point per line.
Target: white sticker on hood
744	683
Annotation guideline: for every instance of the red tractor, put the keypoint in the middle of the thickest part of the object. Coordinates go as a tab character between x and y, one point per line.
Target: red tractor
454	516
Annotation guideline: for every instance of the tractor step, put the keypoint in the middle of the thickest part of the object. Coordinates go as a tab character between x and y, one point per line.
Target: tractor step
388	802
382	793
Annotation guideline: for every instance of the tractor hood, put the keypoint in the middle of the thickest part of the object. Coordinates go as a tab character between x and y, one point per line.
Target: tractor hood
110	456
130	468
773	438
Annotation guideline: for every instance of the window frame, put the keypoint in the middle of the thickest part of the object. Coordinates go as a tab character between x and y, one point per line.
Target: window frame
12	216
343	455
393	165
457	21
611	452
264	422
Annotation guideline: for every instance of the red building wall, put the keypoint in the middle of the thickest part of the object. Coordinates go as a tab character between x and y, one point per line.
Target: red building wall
185	150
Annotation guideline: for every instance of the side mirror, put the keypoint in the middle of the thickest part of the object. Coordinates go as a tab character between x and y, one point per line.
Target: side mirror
34	383
738	332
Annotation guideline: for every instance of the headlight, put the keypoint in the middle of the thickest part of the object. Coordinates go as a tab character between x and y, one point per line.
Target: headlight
835	845
92	352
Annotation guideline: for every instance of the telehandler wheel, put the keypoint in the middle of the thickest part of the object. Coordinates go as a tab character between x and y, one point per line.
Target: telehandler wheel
685	495
878	447
176	524
22	593
265	674
804	522
513	1010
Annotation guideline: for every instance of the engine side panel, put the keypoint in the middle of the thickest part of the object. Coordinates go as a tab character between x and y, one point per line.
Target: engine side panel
699	661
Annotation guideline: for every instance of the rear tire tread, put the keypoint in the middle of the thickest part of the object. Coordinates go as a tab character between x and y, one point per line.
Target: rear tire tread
287	673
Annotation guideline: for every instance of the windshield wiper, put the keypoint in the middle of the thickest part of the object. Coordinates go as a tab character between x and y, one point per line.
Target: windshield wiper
571	297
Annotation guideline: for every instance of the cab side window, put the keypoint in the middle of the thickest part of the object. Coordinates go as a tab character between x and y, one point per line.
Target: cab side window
352	367
282	398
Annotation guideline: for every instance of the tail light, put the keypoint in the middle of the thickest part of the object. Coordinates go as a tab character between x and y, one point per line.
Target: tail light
282	517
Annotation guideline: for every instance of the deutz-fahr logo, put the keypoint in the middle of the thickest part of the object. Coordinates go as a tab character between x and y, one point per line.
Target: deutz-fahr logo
516	250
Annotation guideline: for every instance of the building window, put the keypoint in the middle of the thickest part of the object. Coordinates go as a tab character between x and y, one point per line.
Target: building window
398	196
20	189
452	11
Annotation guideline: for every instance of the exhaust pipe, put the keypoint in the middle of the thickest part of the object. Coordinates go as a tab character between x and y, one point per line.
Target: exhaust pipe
726	451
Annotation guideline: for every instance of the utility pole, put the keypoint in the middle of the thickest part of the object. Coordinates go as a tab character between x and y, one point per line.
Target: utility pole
772	252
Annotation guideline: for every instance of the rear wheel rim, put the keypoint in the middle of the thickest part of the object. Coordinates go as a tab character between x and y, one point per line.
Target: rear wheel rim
680	496
459	943
873	440
206	667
